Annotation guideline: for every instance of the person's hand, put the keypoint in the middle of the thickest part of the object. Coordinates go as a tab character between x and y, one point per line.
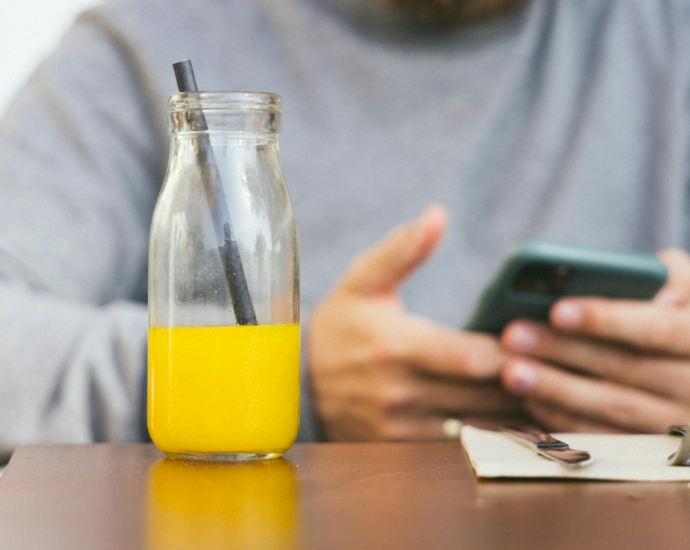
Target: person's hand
379	372
627	363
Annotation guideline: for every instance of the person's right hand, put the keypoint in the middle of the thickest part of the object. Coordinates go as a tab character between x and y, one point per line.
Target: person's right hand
381	373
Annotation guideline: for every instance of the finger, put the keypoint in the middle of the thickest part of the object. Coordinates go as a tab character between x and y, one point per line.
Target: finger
428	428
410	428
555	419
435	349
662	375
644	325
676	291
384	266
395	403
605	401
394	428
453	398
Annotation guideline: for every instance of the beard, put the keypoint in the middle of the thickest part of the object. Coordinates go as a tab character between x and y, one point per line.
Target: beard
453	12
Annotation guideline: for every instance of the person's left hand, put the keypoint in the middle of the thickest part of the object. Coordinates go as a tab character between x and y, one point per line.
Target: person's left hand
607	365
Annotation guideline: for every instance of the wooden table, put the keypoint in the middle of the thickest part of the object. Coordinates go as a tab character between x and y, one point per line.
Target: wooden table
323	496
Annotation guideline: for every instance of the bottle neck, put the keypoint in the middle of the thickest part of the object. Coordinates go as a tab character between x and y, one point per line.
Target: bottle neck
242	114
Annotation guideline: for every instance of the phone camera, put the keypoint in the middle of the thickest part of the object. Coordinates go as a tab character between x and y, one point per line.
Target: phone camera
542	278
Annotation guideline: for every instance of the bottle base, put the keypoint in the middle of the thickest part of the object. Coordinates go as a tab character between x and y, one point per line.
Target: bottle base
223	457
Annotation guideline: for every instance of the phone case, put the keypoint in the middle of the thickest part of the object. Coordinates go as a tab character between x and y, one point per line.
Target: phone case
568	270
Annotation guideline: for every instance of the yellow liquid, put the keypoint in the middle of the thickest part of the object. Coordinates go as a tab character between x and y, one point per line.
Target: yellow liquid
224	390
207	506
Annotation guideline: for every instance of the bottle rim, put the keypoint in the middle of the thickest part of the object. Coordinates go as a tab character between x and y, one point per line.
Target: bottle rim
224	100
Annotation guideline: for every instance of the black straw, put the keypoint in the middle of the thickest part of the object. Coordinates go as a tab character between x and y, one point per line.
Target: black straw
210	177
184	74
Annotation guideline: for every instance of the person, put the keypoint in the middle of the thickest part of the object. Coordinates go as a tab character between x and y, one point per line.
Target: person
556	119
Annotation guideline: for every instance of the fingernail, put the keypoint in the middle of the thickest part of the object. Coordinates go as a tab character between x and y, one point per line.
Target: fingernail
521	377
522	338
567	315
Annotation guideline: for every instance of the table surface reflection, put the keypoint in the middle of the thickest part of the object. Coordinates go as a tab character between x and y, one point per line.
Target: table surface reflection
321	496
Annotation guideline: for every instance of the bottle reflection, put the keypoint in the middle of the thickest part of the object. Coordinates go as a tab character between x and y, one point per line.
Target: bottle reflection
213	505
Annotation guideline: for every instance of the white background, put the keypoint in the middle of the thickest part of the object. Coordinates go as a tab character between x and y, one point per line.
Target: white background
29	29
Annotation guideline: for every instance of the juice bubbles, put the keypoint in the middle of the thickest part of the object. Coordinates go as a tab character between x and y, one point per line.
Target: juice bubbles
224	391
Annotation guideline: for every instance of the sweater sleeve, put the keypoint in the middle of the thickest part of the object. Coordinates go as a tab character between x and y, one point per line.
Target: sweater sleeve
80	169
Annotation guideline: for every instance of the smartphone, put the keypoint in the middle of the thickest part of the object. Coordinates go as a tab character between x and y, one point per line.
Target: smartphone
536	273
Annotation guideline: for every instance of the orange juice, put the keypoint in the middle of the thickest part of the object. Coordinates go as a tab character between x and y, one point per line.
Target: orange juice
224	391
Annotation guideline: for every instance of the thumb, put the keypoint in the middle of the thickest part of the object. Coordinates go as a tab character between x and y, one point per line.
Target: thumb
384	266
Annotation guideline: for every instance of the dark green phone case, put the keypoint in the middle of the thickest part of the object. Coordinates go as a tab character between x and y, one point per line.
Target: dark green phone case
518	292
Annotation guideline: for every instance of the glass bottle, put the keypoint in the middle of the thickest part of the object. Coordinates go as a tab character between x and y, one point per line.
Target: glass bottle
223	381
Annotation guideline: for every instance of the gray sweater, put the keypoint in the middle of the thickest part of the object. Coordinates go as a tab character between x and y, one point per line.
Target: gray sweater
566	120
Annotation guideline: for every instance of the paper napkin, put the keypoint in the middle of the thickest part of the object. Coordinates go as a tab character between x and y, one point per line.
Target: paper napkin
616	457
